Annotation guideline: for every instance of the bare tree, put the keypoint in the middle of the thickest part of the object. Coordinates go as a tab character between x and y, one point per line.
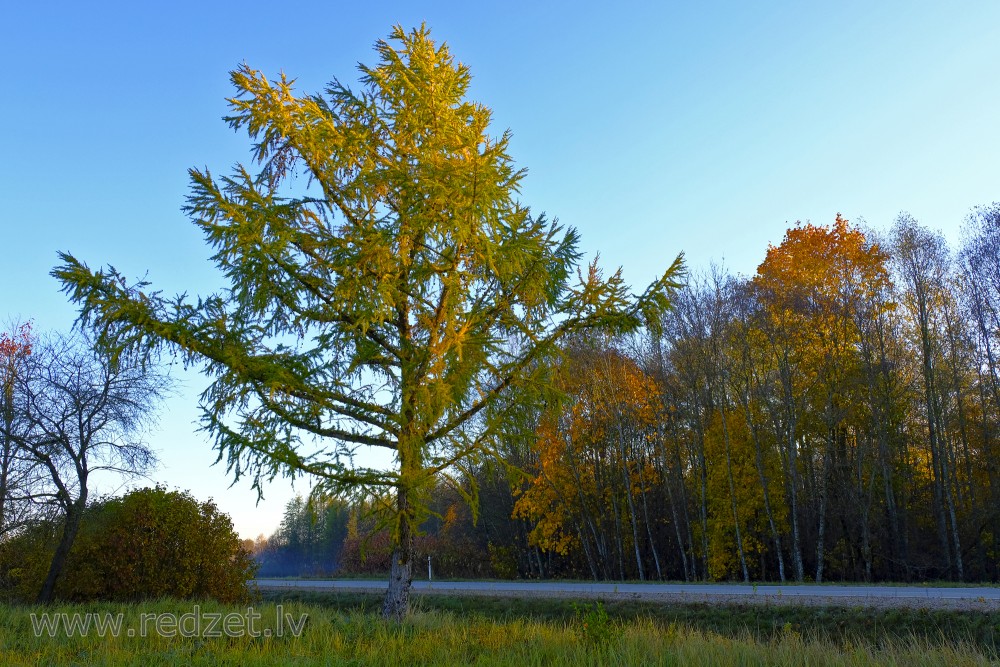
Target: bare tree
923	262
980	282
82	412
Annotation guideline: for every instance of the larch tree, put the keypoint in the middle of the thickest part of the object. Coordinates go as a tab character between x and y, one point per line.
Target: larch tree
396	295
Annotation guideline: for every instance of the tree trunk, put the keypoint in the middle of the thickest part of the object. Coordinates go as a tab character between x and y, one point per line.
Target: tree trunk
649	528
793	510
946	474
620	551
396	605
586	552
732	497
667	483
690	564
74	513
744	393
986	325
821	529
633	515
791	461
764	481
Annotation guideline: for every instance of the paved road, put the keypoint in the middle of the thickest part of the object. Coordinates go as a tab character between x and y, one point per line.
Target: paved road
988	596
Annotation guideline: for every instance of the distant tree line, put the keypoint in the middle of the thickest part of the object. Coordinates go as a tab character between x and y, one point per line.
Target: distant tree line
835	416
324	537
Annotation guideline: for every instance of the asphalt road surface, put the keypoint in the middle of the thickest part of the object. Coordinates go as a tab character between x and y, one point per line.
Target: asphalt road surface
975	597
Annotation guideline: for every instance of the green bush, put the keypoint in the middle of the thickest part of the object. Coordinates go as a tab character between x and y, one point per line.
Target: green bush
148	543
24	560
593	623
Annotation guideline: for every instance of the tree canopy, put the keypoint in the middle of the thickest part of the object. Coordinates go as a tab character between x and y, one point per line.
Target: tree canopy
386	286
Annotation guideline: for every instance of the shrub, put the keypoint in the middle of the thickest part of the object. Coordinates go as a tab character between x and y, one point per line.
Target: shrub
593	623
148	543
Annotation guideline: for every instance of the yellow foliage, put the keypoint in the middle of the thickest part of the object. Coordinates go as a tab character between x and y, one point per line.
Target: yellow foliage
606	425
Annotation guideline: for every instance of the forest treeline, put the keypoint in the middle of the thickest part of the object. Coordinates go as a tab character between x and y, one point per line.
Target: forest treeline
834	416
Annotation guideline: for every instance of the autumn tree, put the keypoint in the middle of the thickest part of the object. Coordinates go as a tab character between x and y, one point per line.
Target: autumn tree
811	285
755	396
384	299
680	460
19	473
923	262
881	410
591	486
688	396
979	276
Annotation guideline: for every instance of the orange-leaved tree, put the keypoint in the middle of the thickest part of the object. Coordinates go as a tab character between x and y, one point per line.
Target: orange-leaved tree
810	286
15	468
595	472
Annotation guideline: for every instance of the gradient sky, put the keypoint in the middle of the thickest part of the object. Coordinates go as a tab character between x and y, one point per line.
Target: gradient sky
654	128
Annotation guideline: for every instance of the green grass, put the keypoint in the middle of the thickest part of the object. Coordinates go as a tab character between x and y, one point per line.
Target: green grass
829	623
345	630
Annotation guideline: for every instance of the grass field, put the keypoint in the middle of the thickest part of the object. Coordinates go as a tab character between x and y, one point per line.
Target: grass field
339	629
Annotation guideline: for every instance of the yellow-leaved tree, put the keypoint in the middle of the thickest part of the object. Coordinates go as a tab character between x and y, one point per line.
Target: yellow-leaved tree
810	288
397	295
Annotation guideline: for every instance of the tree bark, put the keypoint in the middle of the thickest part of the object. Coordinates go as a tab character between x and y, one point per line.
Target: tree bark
633	515
74	514
732	498
396	605
667	483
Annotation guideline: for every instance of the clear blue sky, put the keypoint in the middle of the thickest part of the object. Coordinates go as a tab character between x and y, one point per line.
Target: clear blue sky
653	128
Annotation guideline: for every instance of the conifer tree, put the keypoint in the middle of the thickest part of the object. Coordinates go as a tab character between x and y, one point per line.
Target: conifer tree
386	287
